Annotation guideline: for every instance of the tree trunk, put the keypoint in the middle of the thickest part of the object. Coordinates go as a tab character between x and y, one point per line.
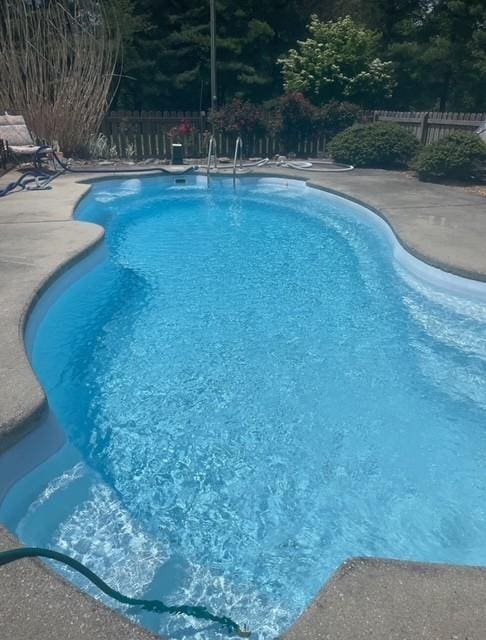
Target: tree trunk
444	94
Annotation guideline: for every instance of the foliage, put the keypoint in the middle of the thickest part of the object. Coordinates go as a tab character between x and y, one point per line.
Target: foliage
379	145
169	59
99	148
293	117
383	16
240	118
124	17
336	116
458	155
181	131
289	118
131	22
338	61
437	47
63	90
441	56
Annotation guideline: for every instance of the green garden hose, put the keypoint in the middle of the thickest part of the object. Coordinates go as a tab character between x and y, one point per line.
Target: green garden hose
156	606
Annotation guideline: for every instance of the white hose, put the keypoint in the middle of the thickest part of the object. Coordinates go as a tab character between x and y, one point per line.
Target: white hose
337	166
300	165
295	164
245	167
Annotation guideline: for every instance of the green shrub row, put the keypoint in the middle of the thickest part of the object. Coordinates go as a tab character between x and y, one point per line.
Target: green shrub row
459	156
377	145
390	146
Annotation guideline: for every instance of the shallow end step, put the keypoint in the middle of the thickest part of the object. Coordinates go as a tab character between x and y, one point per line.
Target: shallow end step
377	599
37	604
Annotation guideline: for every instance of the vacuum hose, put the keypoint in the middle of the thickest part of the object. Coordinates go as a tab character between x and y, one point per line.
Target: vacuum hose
156	606
42	178
144	169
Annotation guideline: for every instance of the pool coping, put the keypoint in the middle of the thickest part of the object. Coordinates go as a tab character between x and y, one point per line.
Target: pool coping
64	242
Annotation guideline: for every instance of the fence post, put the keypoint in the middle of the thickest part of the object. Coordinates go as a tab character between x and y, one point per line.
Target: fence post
423	130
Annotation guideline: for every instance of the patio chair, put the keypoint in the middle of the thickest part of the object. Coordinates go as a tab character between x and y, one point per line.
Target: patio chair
17	139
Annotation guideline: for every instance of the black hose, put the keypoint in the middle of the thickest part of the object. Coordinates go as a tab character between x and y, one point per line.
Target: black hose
43	178
156	606
69	169
26	179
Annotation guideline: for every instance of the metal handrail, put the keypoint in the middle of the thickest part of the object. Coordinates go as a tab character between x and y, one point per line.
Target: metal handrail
212	153
238	147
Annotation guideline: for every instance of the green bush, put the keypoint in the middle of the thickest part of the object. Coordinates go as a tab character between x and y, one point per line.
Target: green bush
458	155
380	145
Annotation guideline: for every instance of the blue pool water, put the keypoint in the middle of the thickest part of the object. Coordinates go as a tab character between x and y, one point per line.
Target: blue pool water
252	391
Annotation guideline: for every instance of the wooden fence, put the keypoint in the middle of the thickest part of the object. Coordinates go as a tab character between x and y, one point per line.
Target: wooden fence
146	134
430	126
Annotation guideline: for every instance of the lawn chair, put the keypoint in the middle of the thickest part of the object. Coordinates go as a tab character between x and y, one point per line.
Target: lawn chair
17	140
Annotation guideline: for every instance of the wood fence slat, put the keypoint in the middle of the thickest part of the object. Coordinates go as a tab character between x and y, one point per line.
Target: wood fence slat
146	132
437	124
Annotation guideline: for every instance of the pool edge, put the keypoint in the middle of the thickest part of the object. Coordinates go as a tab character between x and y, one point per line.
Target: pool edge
18	425
13	430
385	599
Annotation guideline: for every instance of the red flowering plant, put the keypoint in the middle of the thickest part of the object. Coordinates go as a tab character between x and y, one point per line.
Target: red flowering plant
180	132
239	117
183	133
293	117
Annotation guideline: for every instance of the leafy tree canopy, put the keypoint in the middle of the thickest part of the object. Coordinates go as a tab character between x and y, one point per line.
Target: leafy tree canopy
442	51
168	62
338	61
437	47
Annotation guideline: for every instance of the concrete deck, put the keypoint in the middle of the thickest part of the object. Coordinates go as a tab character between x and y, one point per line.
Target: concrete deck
370	599
379	600
37	604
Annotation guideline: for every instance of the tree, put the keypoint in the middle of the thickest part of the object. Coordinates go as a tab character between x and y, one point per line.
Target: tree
384	16
130	21
444	51
239	34
168	65
437	47
56	66
339	61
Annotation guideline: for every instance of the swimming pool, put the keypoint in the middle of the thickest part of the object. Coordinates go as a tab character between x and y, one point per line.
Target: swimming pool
254	389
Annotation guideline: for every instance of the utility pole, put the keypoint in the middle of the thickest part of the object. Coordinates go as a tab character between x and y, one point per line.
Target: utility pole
212	28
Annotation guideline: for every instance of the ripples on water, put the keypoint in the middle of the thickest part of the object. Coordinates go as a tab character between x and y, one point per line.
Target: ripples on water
253	393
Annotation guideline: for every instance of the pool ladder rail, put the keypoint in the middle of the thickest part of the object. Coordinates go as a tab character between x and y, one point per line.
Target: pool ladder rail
212	155
213	158
238	147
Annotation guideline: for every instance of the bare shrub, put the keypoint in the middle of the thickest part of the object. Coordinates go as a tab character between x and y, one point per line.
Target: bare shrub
57	61
99	147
